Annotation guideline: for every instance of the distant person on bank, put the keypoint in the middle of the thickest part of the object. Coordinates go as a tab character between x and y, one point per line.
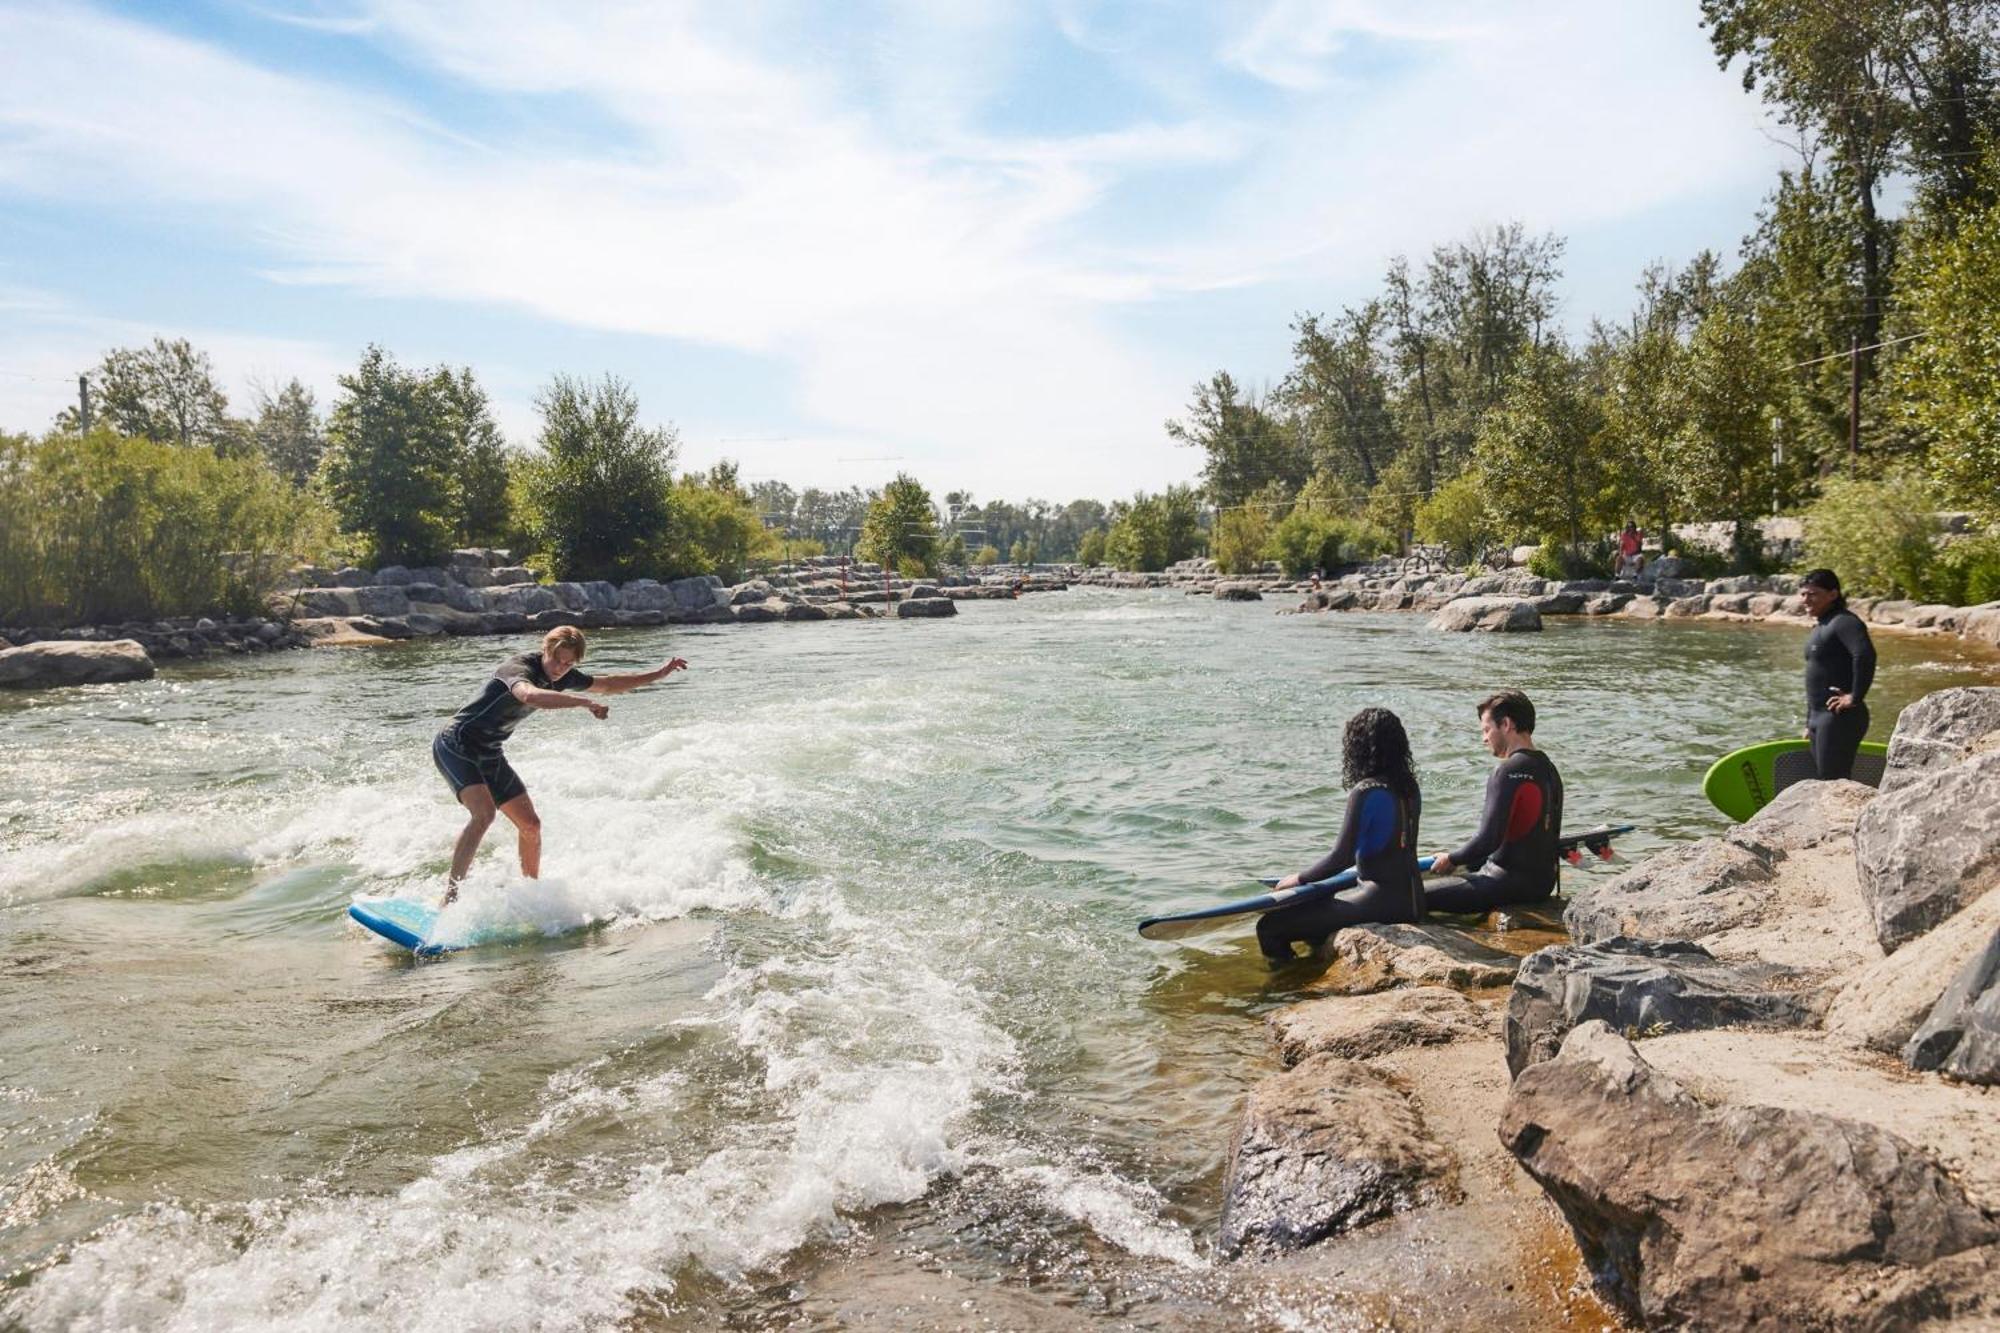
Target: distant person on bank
1630	543
1378	839
1840	666
468	751
1512	857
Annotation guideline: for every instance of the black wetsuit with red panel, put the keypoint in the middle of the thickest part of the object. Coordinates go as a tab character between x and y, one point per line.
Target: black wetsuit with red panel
1512	858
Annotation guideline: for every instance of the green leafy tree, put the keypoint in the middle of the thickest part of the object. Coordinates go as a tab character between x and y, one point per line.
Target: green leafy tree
1180	520
165	391
1950	379
1721	458
986	555
1138	537
1090	550
1538	453
603	494
1340	386
1022	552
289	433
485	505
716	527
953	550
1241	535
1246	446
391	468
901	529
1456	518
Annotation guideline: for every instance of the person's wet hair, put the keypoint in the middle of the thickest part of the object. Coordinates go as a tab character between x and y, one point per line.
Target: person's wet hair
1827	581
1509	706
1376	746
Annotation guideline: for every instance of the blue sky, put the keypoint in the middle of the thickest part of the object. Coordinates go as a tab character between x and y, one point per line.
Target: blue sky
990	244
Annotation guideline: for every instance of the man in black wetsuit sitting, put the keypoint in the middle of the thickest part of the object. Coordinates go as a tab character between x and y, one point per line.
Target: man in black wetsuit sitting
1512	858
468	750
1840	666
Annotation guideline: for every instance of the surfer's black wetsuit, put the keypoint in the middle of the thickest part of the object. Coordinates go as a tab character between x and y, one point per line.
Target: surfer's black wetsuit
1378	836
1516	841
468	750
1840	659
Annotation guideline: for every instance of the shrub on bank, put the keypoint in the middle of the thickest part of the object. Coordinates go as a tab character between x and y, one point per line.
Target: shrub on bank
1309	539
1879	536
107	527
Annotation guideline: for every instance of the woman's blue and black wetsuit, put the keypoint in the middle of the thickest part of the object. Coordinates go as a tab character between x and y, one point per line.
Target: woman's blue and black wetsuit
1840	659
1515	844
1378	836
468	750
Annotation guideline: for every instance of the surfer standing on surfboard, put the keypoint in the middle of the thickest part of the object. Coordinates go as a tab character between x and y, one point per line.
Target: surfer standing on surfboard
468	751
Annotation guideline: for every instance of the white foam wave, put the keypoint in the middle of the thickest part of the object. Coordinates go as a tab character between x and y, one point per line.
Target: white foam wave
72	866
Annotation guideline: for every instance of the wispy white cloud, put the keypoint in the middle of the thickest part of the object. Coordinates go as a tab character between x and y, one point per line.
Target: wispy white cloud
912	275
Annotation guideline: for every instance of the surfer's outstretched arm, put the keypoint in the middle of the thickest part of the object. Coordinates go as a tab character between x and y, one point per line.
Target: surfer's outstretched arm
535	697
609	684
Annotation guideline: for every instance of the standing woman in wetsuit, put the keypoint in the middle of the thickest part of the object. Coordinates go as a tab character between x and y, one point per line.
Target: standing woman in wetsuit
1840	666
1378	837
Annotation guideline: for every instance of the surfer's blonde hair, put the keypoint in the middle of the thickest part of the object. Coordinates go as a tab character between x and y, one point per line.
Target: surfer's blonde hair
564	636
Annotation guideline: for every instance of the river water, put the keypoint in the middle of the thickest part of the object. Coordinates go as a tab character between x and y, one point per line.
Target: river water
863	1023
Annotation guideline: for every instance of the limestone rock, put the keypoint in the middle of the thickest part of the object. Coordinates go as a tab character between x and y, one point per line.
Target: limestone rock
513	574
523	599
1363	1026
1878	1006
1681	894
920	607
1743	1215
56	662
1238	592
1643	608
1559	604
1374	958
699	593
1927	849
1646	987
1938	731
1505	615
1805	814
1962	1035
382	601
1324	1148
1982	623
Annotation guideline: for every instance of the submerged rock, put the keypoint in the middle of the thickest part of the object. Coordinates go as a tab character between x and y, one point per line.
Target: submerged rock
1505	615
1644	987
919	607
1930	847
1238	592
1962	1035
1363	1026
1324	1148
1735	1216
55	662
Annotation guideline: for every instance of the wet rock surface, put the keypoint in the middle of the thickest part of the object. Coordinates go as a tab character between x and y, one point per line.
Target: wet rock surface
1493	615
1644	987
1325	1148
1733	1216
53	663
1364	1026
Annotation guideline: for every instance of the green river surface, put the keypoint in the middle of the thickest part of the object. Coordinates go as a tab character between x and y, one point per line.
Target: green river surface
863	1023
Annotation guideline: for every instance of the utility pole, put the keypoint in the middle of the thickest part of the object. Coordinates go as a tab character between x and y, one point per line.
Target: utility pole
1854	400
83	404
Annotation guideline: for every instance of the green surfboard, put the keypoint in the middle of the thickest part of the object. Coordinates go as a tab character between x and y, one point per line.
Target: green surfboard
1743	782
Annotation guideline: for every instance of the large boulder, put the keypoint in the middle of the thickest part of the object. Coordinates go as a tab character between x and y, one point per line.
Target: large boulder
647	595
326	602
1683	893
918	607
1879	1005
1647	987
382	600
1364	1026
1961	1037
1804	815
1927	849
756	590
54	662
1374	958
1238	592
699	593
1500	615
1940	730
1982	623
1739	1216
1324	1148
522	599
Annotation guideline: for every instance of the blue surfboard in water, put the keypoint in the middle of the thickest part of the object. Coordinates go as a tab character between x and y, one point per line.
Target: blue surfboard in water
1179	925
414	926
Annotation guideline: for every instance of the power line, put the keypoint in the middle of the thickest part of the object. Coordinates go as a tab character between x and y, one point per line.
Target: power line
1854	351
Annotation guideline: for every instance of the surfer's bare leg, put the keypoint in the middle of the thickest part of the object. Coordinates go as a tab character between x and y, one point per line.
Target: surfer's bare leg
478	802
522	811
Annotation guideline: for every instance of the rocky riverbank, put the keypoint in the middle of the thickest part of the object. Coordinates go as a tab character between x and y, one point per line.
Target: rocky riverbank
1518	601
1757	1081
